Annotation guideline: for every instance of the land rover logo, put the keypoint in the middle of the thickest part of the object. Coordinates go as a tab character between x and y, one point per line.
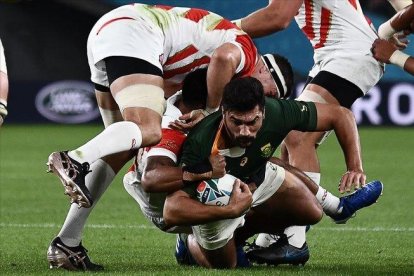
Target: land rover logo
68	102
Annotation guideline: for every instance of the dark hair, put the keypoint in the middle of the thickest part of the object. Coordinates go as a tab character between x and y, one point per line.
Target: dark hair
287	72
194	90
243	94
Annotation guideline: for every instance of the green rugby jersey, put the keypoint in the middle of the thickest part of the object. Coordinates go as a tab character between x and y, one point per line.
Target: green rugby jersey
281	116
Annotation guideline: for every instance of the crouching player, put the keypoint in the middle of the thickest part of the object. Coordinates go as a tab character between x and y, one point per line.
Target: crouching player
246	133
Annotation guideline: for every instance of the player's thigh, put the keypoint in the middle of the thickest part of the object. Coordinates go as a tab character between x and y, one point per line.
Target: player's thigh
293	202
135	84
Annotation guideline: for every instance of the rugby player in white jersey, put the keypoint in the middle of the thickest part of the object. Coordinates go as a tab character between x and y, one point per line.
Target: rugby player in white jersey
4	85
344	70
138	54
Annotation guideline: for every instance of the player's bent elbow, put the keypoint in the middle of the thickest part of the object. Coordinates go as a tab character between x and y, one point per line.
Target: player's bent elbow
223	56
170	213
147	185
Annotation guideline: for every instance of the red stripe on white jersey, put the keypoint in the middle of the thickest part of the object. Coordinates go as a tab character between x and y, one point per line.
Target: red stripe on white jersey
225	25
187	68
164	7
113	20
353	3
186	52
325	26
308	28
250	53
196	14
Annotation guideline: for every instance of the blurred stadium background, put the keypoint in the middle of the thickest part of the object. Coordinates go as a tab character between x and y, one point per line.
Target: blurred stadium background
52	107
45	48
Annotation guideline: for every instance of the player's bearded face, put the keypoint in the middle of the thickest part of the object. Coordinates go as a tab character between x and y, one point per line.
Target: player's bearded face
242	127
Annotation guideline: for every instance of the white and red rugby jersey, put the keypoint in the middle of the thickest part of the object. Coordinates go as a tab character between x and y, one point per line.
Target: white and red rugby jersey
335	25
190	37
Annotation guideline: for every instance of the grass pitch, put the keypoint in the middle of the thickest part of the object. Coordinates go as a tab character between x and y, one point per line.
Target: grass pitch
379	240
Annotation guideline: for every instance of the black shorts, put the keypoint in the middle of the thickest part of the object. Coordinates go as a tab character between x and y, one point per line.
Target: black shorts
344	91
121	66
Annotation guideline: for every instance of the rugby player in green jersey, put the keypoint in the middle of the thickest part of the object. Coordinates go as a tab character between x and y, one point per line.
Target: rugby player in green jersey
246	133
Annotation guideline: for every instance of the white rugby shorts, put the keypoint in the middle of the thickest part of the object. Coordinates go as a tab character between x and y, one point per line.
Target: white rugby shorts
216	234
122	33
362	70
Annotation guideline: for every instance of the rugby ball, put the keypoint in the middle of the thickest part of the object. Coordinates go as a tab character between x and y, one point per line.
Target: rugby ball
216	191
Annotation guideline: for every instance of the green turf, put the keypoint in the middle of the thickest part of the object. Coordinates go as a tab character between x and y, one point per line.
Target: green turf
380	240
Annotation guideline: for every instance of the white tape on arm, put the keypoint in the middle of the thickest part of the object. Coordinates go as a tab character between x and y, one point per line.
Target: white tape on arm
385	30
399	58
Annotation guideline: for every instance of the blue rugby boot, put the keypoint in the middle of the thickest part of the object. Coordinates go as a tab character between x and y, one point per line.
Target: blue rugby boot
242	260
363	197
182	254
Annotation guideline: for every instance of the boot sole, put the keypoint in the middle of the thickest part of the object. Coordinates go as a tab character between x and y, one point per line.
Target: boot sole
74	192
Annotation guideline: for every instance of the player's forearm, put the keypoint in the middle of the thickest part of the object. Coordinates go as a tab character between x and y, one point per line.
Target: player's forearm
164	179
403	19
180	209
273	18
400	4
409	66
347	133
400	21
262	22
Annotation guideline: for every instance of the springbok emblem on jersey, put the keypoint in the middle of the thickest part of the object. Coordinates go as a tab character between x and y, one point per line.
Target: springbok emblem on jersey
267	150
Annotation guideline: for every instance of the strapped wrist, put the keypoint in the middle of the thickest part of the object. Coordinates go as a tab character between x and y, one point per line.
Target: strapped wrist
399	58
385	30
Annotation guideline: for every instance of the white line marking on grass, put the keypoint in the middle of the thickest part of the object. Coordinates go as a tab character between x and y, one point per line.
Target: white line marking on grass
144	226
365	229
98	226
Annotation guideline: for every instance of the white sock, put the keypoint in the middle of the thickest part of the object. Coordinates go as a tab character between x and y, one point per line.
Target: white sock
118	137
296	235
264	240
328	201
97	182
316	177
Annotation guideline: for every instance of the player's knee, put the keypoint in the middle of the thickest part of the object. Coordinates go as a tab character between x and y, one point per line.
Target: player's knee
315	213
151	135
148	121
